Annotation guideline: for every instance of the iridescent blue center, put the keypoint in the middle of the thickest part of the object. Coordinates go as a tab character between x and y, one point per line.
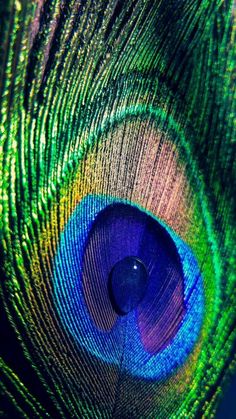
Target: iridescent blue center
127	284
164	325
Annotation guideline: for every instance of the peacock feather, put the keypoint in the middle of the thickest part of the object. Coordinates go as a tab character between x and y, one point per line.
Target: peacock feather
118	234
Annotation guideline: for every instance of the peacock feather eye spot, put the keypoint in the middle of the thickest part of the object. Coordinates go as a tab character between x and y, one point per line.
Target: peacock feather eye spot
103	291
127	284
